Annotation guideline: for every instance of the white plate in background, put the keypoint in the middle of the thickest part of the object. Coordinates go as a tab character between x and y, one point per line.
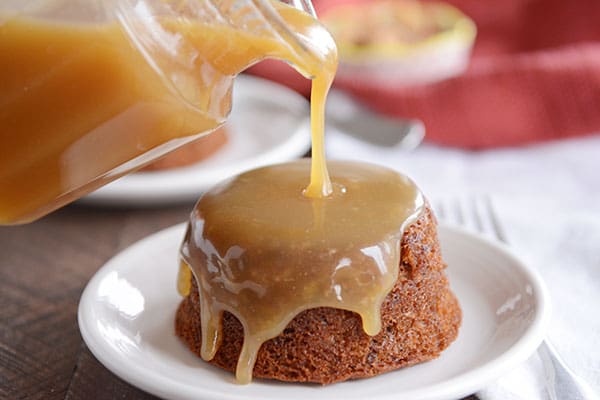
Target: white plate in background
127	310
269	124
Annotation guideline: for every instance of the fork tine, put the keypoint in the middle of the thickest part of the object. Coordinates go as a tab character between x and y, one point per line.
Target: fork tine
440	210
492	217
479	220
474	218
448	209
461	213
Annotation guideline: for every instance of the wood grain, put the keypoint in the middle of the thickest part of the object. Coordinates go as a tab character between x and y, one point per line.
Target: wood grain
44	267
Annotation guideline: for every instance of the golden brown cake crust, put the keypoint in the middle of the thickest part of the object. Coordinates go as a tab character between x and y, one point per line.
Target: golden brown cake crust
420	318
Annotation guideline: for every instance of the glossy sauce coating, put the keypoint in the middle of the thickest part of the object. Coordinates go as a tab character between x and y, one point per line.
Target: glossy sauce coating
264	251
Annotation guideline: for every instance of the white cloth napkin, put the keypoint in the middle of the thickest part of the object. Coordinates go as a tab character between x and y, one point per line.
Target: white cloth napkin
547	198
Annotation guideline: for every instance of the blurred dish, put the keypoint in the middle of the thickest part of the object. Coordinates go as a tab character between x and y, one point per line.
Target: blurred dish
400	42
268	124
191	153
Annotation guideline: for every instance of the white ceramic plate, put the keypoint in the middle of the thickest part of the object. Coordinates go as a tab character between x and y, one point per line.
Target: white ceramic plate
269	123
126	318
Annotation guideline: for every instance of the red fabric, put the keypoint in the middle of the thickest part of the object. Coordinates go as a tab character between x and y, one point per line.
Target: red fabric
534	76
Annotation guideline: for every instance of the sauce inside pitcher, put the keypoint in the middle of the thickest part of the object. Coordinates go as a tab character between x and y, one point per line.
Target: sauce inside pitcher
83	103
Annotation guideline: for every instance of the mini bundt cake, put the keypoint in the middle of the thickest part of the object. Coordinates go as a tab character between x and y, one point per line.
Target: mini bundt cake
419	315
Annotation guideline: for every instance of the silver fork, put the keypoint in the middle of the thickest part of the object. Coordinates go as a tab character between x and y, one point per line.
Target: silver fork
477	213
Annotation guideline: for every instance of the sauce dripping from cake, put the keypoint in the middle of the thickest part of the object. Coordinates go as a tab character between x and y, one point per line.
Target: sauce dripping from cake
265	247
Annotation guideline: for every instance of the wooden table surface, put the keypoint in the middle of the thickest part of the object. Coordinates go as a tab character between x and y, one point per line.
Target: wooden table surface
44	267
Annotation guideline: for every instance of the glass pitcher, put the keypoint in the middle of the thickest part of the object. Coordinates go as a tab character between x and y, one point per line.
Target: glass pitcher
92	89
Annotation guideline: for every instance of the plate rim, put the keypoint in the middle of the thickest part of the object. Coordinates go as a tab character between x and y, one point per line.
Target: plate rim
461	385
